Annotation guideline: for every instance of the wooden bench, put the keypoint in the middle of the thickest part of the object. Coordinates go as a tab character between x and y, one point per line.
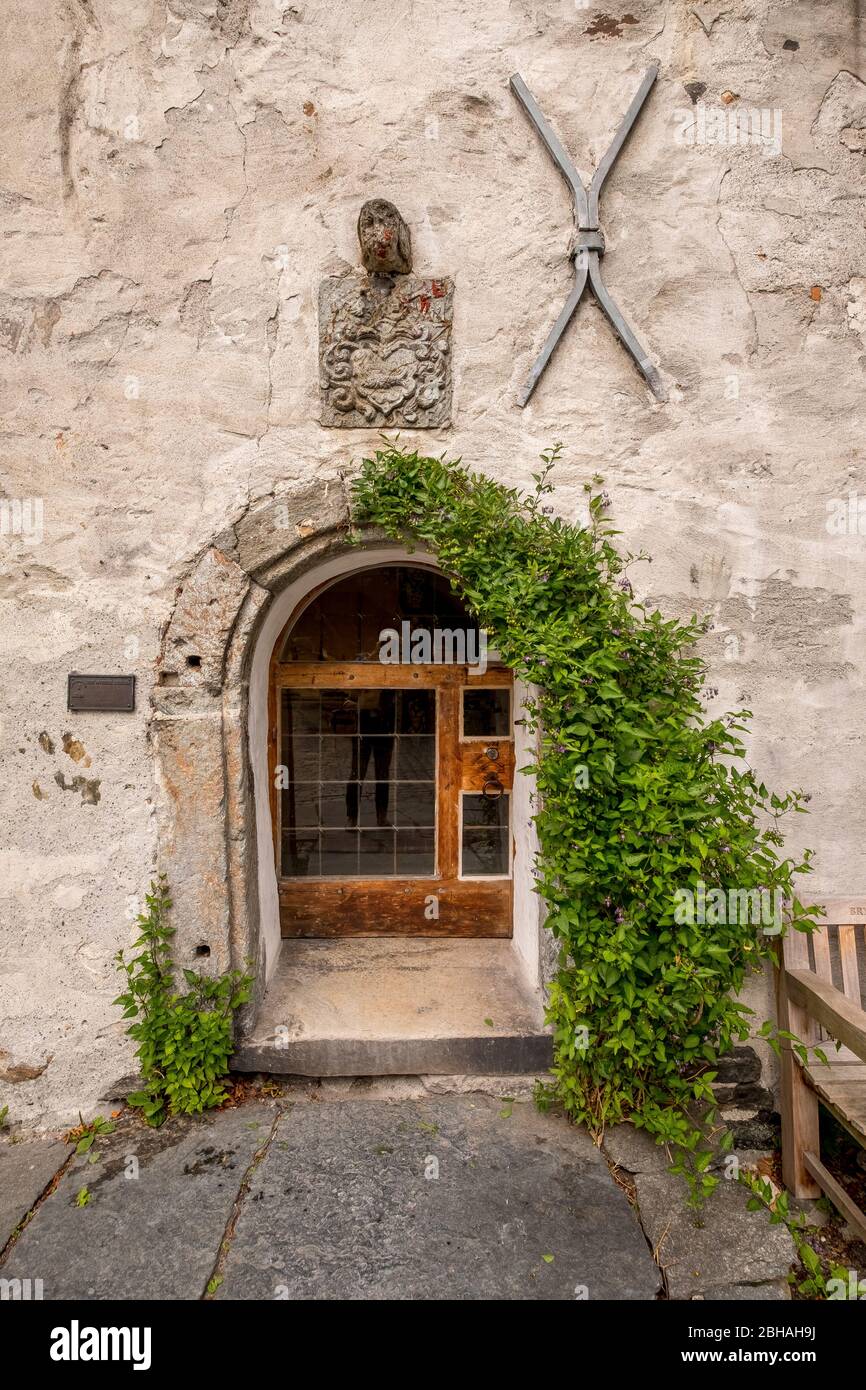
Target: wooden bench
819	1013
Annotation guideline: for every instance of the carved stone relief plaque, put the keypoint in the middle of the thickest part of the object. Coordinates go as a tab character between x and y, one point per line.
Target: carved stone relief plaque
385	336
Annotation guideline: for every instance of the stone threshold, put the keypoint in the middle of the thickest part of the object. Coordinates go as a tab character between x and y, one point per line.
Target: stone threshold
397	1007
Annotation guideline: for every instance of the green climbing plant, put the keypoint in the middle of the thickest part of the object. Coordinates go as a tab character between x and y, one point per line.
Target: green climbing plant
641	793
85	1134
184	1039
815	1283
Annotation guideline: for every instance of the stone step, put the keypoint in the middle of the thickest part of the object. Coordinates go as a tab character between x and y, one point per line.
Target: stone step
397	1007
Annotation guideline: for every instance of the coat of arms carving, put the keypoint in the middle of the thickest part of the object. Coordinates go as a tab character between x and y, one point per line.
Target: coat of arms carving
385	336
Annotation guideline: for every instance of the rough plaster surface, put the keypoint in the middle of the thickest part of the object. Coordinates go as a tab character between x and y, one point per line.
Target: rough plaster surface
178	180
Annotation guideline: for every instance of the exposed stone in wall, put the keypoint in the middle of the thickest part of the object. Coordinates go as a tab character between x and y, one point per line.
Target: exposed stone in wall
178	181
13	1073
194	649
268	530
205	812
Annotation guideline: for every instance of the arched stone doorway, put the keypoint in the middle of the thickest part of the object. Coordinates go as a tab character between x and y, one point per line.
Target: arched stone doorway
391	762
211	729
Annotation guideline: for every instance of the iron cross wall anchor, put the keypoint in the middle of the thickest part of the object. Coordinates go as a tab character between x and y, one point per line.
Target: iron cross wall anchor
588	238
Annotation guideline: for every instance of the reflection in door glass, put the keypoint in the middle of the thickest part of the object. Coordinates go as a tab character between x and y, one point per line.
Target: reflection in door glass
486	713
484	841
344	622
361	794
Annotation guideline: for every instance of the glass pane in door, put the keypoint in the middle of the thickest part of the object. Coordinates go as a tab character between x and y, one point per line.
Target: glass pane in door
486	713
484	840
358	783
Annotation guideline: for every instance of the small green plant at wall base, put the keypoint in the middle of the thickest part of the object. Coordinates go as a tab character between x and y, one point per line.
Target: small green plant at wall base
83	1197
814	1285
184	1040
84	1136
640	794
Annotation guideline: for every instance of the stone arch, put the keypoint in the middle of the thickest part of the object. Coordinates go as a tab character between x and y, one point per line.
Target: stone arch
206	815
213	823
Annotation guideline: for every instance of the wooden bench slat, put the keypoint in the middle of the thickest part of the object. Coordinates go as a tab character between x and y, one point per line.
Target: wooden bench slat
844	1057
798	1102
839	1087
846	1102
830	1007
819	1073
842	910
850	1102
845	1062
850	969
821	949
795	949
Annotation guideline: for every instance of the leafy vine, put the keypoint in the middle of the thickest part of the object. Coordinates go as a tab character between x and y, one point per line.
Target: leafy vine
184	1039
640	793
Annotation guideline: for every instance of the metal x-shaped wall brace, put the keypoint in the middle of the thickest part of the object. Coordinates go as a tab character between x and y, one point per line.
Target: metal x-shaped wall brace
588	238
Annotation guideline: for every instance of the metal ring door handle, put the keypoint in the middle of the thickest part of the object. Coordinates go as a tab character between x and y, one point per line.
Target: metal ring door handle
492	789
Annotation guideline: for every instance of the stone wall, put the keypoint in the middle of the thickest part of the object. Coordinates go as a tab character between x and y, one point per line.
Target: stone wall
177	180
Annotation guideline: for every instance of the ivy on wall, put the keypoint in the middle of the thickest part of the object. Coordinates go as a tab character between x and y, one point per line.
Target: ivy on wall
639	794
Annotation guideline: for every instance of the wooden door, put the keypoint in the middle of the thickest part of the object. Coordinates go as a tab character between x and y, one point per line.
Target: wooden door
392	798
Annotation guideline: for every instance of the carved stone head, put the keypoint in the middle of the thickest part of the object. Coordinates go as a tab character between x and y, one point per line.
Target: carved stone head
386	247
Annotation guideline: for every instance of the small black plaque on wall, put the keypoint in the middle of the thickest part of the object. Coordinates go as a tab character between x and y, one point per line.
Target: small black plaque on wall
115	693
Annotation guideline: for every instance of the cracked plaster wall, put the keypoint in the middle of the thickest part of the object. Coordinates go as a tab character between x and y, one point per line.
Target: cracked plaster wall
176	181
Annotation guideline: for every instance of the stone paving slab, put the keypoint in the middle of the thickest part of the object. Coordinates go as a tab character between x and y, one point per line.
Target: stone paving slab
777	1291
634	1150
26	1169
151	1237
347	1205
712	1252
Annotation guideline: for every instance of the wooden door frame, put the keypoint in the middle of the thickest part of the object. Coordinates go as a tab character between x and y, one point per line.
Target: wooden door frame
486	901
